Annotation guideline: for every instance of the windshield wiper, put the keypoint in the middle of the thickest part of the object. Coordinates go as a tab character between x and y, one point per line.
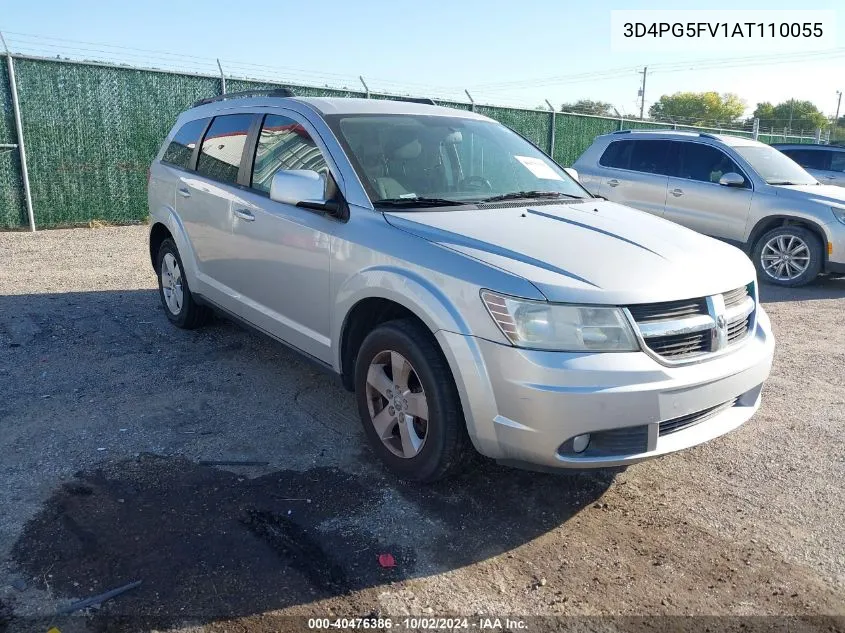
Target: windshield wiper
520	195
786	182
417	202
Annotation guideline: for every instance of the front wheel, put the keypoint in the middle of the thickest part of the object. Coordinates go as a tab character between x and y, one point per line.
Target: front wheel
788	256
409	404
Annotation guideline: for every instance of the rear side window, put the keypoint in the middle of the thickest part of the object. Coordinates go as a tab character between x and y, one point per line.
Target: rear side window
182	146
617	154
652	157
223	147
648	156
704	163
284	144
811	159
837	161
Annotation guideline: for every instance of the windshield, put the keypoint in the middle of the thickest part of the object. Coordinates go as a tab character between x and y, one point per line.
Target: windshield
407	160
773	167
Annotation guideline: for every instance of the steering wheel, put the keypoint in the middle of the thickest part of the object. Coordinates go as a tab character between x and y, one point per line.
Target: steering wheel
476	182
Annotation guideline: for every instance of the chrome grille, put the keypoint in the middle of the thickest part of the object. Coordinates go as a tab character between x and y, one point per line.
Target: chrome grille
648	312
686	421
680	345
689	328
735	297
737	329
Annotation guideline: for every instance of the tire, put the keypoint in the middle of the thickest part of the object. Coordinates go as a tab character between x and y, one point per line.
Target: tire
445	444
176	298
801	243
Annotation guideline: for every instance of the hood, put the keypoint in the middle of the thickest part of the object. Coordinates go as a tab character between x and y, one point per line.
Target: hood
823	194
587	252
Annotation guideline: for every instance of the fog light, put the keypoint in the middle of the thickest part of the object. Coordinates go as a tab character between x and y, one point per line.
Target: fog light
580	443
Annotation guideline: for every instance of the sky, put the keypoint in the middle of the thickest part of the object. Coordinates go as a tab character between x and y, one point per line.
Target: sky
515	53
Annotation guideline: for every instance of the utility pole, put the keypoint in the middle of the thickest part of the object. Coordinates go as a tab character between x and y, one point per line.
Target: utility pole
643	72
791	110
836	118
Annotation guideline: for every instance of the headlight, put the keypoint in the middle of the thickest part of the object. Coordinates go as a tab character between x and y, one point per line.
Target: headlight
839	213
570	328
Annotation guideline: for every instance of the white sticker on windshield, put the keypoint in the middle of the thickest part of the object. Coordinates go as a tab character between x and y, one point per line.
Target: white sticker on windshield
539	168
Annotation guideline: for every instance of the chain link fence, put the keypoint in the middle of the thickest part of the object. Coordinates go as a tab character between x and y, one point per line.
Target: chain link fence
12	209
91	130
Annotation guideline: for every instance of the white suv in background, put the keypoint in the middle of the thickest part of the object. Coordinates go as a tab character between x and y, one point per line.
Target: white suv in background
728	187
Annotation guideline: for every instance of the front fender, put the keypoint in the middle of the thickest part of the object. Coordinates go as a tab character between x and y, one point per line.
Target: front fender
405	287
445	318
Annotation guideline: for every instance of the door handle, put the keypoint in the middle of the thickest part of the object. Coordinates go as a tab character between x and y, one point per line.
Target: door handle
245	215
613	182
677	192
185	193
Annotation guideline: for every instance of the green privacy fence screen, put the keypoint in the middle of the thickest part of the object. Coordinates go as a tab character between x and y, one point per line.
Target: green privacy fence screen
92	129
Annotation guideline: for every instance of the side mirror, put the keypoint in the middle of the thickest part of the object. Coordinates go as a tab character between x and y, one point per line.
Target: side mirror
302	188
731	179
572	172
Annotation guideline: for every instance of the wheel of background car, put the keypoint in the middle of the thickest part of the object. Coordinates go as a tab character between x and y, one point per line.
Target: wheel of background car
179	304
409	404
476	182
788	256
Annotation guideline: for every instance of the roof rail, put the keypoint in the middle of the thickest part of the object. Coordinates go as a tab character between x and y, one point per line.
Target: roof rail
621	132
273	92
424	100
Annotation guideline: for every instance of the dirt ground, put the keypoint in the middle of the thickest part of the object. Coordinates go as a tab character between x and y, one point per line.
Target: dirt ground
108	415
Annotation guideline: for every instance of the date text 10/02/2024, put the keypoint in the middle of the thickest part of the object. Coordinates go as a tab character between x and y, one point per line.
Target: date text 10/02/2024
419	623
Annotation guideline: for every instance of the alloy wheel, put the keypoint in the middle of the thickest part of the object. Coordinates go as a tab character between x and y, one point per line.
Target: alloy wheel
397	404
785	257
171	283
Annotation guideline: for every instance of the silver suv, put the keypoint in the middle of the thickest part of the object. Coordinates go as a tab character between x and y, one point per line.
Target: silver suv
826	163
731	188
462	284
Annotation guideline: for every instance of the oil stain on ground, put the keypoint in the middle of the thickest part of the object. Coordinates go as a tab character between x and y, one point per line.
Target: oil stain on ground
209	544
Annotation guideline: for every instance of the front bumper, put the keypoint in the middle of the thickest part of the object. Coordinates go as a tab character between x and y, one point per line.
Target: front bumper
525	406
835	260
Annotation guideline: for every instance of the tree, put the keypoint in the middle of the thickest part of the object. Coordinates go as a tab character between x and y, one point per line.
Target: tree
588	106
804	115
698	108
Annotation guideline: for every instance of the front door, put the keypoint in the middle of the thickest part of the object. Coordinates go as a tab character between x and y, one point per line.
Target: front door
696	199
284	251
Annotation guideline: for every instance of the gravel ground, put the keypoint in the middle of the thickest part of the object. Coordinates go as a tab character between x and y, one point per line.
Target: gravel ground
107	414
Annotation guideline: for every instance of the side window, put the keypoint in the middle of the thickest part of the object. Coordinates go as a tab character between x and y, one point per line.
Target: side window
704	163
651	157
837	161
284	144
223	146
617	154
184	141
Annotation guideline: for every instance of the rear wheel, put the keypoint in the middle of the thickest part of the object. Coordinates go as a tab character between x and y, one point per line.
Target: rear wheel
179	304
409	404
788	256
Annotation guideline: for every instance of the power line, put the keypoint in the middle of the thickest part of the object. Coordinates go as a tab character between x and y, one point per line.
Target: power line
670	67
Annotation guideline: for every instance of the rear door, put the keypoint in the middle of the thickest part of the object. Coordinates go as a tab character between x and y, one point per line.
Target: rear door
284	252
204	198
697	200
635	173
